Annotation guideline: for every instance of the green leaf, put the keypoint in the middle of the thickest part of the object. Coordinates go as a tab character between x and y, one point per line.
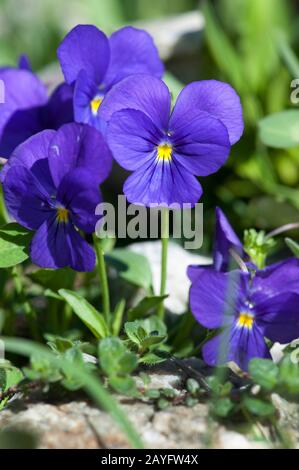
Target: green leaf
280	130
58	344
264	372
93	319
132	267
259	407
52	295
289	376
192	386
13	376
125	385
150	359
146	333
294	246
9	376
145	306
54	279
257	246
135	332
153	393
222	407
118	317
287	54
115	358
223	52
14	243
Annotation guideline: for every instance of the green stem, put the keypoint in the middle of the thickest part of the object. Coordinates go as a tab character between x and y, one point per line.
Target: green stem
102	272
164	240
29	312
3	212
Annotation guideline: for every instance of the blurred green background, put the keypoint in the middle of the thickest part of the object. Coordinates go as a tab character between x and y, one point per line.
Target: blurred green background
248	43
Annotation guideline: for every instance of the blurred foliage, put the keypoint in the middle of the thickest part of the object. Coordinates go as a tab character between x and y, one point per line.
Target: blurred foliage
38	27
248	44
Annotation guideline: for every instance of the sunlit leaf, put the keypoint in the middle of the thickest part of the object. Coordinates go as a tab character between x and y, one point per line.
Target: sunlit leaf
93	319
14	245
280	130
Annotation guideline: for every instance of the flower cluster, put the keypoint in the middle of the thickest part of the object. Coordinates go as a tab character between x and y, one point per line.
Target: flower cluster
27	109
51	185
246	307
60	146
165	148
112	98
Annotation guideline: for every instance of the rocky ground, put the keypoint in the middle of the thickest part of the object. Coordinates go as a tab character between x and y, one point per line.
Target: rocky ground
78	424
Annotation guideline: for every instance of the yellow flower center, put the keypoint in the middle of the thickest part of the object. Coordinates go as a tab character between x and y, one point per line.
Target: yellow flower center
95	104
164	152
62	215
245	320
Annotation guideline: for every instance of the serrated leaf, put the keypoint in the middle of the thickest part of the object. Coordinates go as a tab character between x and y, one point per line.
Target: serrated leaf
115	358
135	332
93	319
132	267
14	245
264	372
151	359
146	333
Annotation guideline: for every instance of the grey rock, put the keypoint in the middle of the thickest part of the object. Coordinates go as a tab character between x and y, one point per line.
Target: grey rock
178	283
176	35
78	424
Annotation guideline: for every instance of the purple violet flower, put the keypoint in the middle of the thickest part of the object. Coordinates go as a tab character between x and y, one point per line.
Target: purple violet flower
24	62
27	108
94	63
225	239
51	185
166	149
246	310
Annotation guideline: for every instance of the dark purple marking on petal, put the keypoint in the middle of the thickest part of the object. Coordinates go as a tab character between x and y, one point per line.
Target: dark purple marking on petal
56	245
162	183
78	193
238	345
25	198
133	138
